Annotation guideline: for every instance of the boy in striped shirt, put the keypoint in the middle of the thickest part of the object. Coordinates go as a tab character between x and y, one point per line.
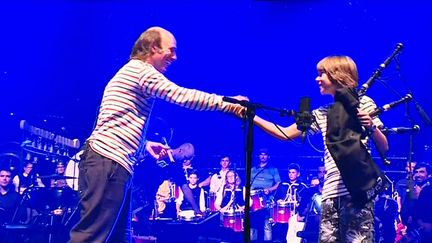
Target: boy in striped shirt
342	219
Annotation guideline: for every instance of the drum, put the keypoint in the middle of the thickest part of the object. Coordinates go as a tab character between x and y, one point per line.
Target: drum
233	220
73	171
257	199
49	198
187	216
281	212
211	201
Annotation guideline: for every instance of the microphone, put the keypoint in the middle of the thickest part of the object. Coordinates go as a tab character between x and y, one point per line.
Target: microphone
304	117
381	67
423	115
244	103
389	106
401	130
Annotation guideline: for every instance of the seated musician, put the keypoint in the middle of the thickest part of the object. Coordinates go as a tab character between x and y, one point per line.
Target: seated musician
217	180
231	196
197	194
265	178
166	195
10	210
9	198
60	171
27	178
290	193
230	200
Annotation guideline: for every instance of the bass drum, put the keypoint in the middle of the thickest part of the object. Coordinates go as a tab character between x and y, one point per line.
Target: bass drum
73	171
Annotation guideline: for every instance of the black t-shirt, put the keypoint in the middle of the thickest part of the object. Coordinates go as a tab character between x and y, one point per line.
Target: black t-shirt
8	204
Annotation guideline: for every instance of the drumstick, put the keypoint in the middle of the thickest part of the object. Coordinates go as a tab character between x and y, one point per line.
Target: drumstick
169	151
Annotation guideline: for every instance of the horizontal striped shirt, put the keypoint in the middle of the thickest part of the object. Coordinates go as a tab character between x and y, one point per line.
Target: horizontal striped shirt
126	106
333	183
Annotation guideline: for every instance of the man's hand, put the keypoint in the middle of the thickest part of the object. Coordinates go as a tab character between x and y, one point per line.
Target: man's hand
237	109
157	150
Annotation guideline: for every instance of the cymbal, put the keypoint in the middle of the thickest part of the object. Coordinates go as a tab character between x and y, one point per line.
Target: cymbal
56	177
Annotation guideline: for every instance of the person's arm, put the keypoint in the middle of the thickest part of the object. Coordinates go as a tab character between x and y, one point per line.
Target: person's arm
39	181
379	138
202	201
155	84
204	183
15	181
179	201
218	201
285	133
272	189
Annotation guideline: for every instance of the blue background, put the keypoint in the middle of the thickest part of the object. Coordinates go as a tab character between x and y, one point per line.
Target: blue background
56	58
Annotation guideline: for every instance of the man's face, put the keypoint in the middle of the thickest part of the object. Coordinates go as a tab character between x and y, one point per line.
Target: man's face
321	172
28	168
166	54
60	169
193	179
263	157
187	162
421	175
5	177
225	162
293	174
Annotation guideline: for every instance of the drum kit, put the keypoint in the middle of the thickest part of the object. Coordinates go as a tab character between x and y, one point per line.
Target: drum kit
51	200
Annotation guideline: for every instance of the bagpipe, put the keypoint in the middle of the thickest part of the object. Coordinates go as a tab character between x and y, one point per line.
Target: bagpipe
344	140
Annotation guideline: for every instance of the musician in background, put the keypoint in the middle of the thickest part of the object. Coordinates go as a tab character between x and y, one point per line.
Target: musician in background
410	209
9	198
231	195
386	212
315	180
217	180
230	200
27	178
197	192
341	219
60	171
265	178
9	206
290	192
423	210
402	186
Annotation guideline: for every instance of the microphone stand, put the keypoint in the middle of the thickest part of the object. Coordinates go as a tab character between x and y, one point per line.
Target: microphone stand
409	176
249	124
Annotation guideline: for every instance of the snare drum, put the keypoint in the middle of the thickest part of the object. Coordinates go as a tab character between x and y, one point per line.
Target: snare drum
187	215
281	212
233	220
257	200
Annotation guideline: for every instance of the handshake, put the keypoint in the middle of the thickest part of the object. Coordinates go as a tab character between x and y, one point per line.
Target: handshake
236	104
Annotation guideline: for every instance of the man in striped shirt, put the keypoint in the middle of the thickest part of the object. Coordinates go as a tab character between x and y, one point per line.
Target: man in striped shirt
341	219
107	166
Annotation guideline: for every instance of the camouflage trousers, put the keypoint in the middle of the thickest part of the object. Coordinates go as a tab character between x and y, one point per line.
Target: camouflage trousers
341	221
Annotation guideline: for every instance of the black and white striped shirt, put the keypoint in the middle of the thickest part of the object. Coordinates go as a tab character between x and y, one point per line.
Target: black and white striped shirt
126	106
333	183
